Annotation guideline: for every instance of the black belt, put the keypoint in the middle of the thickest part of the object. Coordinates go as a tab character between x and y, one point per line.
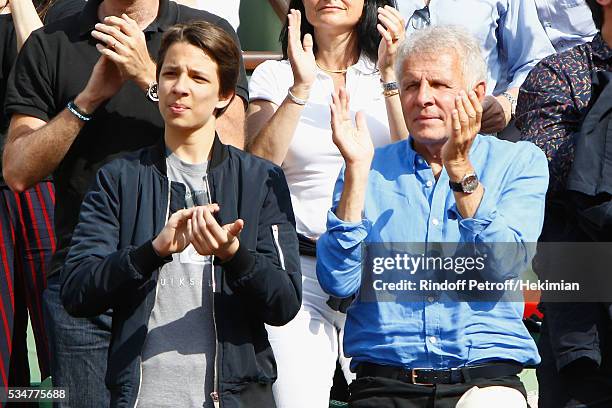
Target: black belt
307	246
427	376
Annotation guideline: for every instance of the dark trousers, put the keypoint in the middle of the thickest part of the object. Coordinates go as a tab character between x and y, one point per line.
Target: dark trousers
27	242
379	392
581	383
79	350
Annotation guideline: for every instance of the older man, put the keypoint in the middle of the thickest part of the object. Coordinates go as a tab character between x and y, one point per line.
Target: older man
511	37
445	184
82	92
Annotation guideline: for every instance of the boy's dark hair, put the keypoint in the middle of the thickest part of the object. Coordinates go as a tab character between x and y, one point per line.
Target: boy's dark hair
368	37
597	12
215	43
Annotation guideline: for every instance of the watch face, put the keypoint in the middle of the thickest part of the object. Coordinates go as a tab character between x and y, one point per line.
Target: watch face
152	92
469	183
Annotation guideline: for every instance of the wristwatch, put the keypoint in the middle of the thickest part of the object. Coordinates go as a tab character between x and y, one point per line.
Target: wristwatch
468	184
152	92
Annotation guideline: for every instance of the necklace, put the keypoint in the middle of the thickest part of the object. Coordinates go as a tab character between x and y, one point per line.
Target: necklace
332	71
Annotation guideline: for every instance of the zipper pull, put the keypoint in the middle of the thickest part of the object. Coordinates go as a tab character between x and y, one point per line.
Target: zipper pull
215	397
279	250
208	196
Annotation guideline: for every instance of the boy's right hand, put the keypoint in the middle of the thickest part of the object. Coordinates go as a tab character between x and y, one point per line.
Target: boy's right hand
177	232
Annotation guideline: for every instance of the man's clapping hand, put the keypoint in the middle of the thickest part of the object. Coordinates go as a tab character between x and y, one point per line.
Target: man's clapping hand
124	43
210	238
466	118
353	141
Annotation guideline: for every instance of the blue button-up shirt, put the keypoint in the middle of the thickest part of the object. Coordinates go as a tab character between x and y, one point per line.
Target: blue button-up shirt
509	32
405	203
568	23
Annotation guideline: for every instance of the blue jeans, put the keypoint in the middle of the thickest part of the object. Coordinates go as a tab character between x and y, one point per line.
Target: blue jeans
79	349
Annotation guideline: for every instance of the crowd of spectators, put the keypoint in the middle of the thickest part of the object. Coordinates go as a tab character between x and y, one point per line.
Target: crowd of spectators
179	234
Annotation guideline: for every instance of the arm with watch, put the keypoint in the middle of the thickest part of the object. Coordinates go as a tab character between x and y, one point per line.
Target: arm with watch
34	148
510	206
393	34
463	181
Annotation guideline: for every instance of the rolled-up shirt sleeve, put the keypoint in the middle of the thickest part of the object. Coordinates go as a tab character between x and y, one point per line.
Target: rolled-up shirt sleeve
339	255
471	228
339	250
512	215
516	212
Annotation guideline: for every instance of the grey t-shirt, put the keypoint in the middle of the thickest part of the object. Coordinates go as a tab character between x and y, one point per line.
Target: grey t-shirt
179	350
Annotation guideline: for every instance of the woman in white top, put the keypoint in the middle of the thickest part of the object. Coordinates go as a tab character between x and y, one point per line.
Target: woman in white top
328	46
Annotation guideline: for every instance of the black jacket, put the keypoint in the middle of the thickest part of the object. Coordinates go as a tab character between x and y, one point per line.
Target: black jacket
590	179
582	213
111	264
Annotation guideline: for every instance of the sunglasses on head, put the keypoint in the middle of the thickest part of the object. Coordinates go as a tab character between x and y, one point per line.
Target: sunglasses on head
419	19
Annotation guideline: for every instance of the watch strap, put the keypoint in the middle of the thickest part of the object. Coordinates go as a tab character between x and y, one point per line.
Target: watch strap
457	187
389	86
468	184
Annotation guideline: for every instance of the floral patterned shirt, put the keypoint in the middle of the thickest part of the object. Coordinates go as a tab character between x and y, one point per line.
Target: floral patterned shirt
553	101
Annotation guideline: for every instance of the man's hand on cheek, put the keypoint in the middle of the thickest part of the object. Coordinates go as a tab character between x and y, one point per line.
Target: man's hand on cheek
466	119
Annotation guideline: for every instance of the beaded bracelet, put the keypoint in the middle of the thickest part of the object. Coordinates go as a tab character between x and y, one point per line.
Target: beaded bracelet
295	99
78	112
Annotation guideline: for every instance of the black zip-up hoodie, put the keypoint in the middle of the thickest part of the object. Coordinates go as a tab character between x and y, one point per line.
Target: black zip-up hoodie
112	265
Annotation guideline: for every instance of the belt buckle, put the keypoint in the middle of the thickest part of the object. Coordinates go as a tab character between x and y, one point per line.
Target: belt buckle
413	376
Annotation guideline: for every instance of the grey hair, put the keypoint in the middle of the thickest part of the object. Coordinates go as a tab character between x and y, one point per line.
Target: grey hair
440	39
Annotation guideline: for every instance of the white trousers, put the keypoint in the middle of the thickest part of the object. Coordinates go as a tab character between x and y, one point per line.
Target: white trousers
494	396
307	348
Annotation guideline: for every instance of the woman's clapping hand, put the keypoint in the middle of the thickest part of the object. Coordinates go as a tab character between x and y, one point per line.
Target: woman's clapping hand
391	28
301	56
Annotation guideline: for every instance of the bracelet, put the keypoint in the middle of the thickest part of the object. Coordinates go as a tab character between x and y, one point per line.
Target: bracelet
391	92
512	101
389	86
295	99
76	111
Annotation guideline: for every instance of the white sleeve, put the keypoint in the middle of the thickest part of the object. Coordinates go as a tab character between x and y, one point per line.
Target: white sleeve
270	82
